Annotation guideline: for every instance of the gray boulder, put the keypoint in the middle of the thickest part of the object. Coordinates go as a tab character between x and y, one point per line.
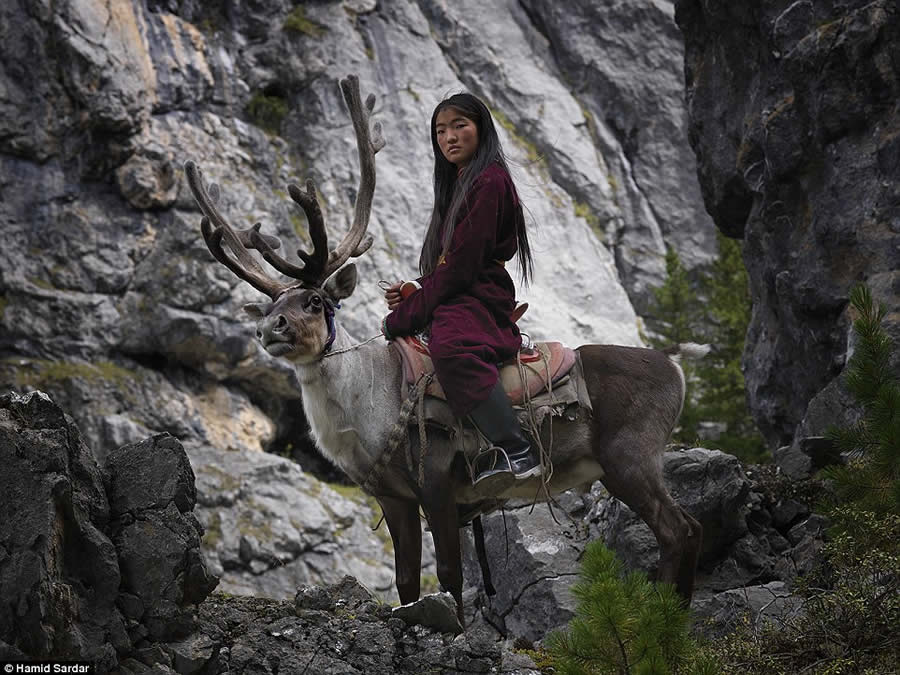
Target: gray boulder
723	612
709	484
270	527
436	610
152	496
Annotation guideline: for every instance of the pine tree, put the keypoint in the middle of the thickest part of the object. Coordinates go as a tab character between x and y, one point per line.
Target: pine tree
715	386
675	310
676	304
624	624
871	479
723	395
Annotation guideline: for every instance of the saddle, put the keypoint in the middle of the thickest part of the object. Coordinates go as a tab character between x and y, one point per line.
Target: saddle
535	369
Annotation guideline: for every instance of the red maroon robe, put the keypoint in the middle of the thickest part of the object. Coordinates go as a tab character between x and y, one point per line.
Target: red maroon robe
469	296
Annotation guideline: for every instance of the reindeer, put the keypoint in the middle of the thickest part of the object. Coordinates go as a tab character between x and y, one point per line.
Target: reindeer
353	400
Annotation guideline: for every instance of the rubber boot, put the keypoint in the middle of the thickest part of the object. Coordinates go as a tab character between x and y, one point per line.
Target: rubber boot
497	421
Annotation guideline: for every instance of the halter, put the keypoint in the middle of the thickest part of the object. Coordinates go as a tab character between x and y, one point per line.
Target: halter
329	321
328	308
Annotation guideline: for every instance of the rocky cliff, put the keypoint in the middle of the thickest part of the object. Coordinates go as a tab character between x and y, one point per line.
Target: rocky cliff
795	123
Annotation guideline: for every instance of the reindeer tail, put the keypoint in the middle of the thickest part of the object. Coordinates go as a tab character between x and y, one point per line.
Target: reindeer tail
687	350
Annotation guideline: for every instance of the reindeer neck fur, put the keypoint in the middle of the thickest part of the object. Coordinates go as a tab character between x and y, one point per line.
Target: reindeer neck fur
351	401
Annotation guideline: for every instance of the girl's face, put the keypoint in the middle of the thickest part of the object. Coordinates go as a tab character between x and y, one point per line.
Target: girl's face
457	136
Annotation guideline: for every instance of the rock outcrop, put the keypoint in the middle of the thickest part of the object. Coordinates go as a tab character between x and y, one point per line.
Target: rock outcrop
757	540
794	120
150	486
339	628
93	565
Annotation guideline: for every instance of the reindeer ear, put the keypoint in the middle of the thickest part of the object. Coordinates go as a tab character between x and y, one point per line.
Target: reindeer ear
342	283
256	310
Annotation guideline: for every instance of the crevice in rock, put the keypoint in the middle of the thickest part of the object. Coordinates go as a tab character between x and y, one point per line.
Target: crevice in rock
538	580
537	23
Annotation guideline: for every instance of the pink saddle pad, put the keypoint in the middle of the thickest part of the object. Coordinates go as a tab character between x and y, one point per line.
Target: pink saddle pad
548	360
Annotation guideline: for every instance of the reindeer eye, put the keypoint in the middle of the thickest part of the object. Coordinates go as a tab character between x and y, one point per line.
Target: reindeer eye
314	303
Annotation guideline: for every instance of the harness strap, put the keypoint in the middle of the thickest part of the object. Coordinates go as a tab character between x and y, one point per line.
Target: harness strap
398	436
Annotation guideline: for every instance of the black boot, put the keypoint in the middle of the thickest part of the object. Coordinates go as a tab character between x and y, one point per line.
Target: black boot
497	421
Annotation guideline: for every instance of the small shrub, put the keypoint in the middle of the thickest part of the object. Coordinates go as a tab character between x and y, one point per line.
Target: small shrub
850	615
871	478
623	623
267	111
852	597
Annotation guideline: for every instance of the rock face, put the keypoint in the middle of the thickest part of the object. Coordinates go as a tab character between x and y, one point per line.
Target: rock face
92	565
108	297
794	121
270	527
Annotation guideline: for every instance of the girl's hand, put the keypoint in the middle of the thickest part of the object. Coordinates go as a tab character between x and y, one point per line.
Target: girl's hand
392	295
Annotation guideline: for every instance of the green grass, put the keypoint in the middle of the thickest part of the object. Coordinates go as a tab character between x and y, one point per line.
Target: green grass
43	372
42	283
213	534
532	154
297	22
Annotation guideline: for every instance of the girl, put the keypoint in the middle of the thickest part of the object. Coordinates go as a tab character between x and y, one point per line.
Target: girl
465	292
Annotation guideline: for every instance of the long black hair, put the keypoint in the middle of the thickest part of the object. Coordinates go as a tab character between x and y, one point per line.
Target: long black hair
451	189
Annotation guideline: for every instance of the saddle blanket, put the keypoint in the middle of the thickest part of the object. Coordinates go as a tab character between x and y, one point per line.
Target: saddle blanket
523	378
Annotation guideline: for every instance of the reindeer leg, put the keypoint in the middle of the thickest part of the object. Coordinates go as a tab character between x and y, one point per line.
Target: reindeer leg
640	484
402	517
691	556
440	509
478	534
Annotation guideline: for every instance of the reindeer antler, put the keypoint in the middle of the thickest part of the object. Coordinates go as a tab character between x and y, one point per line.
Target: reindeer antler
215	229
320	264
353	245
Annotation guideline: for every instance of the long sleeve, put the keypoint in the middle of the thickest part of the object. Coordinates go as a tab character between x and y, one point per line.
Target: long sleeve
472	248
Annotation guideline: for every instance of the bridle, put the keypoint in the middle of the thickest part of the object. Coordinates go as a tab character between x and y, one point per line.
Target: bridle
329	320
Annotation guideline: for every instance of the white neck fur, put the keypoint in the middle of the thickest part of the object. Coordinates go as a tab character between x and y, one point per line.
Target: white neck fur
351	401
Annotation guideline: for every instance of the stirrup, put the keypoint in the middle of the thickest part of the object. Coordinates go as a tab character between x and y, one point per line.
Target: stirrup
492	471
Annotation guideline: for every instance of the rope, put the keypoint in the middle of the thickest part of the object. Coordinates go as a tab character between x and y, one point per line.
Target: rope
351	348
397	436
535	432
423	440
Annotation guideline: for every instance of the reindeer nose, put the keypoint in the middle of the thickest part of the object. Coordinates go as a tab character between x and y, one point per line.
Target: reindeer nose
280	324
